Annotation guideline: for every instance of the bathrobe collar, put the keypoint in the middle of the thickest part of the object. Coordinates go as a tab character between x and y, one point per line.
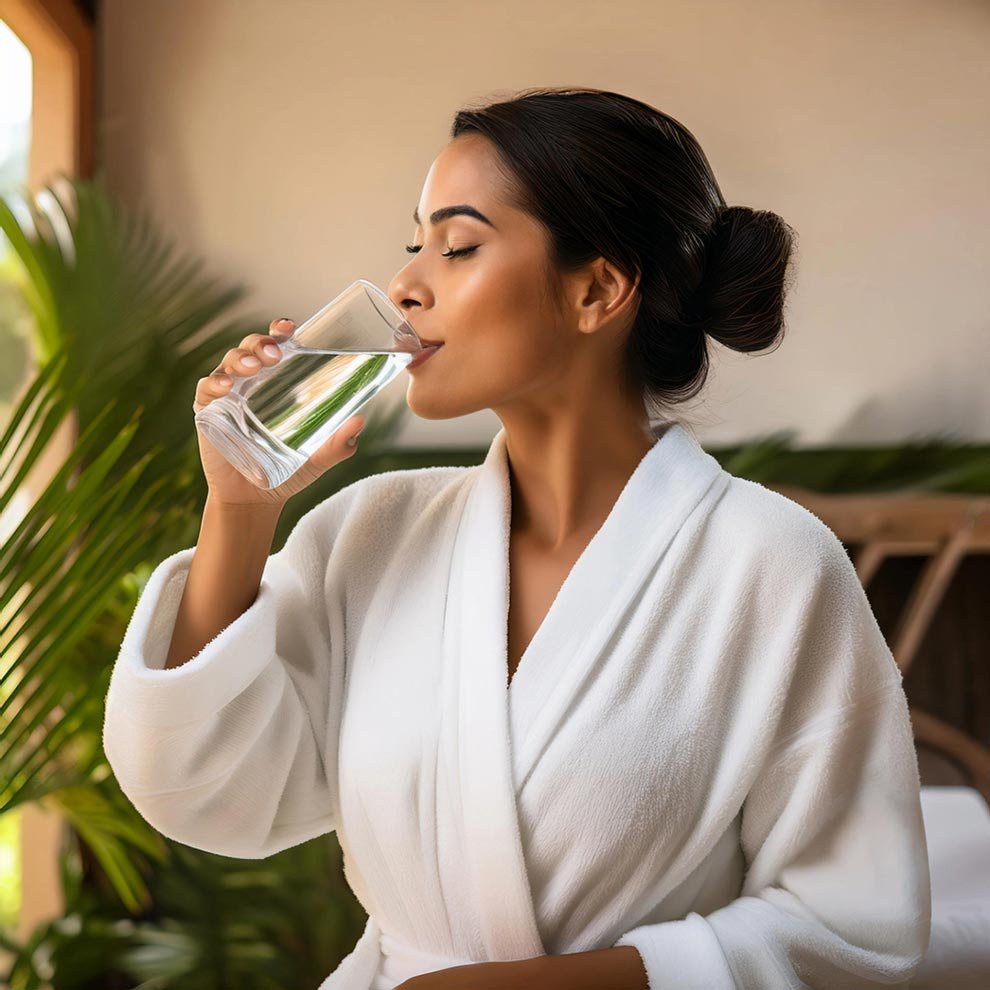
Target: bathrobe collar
500	730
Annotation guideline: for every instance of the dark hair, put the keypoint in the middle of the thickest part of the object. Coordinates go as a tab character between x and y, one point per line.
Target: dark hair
611	176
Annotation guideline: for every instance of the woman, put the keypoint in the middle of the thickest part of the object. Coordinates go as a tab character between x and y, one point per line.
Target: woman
674	750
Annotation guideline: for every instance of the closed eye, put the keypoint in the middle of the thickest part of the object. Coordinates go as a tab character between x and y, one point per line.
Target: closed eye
459	252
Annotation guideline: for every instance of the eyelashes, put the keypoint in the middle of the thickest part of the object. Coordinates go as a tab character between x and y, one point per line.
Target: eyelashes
460	252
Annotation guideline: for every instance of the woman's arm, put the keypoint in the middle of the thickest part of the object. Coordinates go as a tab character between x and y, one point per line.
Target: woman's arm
616	968
619	968
233	749
837	889
225	574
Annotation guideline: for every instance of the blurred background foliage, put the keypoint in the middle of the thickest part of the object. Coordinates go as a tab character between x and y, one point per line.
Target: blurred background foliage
119	328
106	328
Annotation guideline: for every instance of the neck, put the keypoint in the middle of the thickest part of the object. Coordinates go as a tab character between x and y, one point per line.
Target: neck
566	472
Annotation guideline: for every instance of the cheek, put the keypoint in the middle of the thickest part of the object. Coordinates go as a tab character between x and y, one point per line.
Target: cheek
510	348
503	355
502	340
503	311
526	346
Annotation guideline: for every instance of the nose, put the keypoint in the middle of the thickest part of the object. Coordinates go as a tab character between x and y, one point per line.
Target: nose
402	295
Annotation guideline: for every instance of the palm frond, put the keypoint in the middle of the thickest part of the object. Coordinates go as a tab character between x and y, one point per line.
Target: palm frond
118	363
124	328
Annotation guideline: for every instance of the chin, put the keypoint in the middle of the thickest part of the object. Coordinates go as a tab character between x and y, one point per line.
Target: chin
435	402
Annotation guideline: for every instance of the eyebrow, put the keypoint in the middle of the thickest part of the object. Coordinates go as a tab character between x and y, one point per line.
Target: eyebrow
446	212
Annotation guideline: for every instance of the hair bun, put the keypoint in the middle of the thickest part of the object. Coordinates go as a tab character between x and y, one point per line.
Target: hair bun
745	283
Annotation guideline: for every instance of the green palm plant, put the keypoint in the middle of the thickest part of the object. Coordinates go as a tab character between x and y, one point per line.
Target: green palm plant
124	328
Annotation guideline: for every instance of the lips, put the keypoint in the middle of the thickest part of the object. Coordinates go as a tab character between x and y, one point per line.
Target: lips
424	354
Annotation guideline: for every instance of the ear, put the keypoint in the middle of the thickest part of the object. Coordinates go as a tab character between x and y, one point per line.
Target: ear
603	294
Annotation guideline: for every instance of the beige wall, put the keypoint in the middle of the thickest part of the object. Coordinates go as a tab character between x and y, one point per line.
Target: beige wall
287	143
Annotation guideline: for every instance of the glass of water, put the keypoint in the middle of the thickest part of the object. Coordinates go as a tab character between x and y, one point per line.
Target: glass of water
267	425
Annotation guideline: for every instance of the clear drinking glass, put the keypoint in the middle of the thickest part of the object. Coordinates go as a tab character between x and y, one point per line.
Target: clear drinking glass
267	425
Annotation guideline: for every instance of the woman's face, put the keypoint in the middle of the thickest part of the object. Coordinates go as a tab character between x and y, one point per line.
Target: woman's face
504	339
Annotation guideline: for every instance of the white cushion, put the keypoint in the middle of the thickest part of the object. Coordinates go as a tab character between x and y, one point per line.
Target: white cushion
957	826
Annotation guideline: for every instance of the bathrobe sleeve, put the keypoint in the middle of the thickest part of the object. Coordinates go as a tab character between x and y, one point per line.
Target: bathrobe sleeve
234	752
837	891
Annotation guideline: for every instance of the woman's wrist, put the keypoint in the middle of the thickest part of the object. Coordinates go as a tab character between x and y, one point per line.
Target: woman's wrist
618	968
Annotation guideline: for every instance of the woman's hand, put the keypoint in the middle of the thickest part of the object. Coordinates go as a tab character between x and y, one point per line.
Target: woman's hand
225	483
617	968
522	974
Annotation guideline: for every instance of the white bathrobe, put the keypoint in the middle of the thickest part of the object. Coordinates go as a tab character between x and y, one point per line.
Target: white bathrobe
705	752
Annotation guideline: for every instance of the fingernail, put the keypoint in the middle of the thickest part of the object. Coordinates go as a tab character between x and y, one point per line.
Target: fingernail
352	441
284	319
250	362
271	350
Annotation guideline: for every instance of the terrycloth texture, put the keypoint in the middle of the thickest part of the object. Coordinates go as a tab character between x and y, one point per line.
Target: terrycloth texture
705	751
